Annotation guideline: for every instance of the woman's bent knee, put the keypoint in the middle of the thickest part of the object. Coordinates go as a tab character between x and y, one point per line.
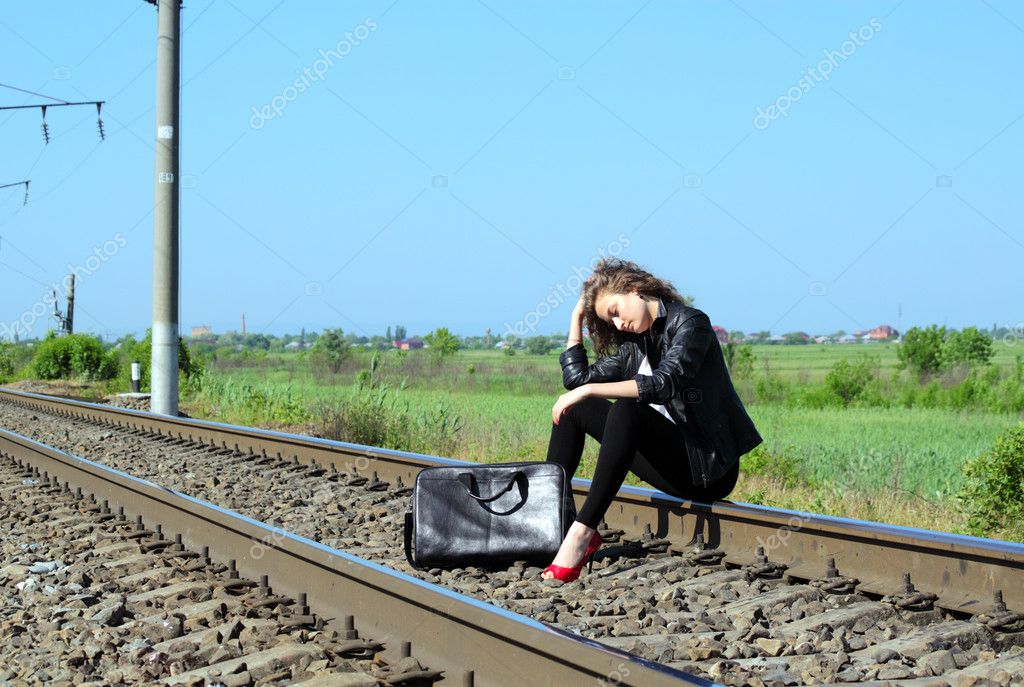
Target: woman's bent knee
576	413
587	405
625	408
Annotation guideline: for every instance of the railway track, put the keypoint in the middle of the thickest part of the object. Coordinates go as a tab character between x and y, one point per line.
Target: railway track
679	584
153	609
163	591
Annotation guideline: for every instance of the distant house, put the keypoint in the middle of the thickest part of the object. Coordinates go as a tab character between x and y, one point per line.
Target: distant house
882	332
722	334
822	339
849	338
406	344
295	346
203	334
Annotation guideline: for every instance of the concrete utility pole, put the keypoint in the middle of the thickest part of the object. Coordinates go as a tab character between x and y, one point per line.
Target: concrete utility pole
164	368
69	320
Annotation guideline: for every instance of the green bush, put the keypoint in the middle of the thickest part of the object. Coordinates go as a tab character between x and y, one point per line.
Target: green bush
539	345
858	383
770	388
930	350
780	466
930	395
331	350
6	360
876	394
245	403
967	346
15	359
971	392
1010	395
848	380
992	495
378	416
190	366
72	355
441	344
921	349
739	358
811	396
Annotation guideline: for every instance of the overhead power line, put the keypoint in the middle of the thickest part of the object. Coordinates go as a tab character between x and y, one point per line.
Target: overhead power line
58	102
19	183
25	90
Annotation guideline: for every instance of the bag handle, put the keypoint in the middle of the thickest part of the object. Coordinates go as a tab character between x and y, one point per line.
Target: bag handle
466	480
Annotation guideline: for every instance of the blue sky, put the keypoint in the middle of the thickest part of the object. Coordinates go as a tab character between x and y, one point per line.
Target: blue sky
458	164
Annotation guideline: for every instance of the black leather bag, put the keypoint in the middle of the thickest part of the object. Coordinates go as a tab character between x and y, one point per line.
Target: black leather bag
488	514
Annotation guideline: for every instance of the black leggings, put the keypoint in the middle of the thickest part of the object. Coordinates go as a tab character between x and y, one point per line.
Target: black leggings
633	437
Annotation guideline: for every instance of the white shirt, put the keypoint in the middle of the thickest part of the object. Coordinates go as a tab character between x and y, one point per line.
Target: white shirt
645	369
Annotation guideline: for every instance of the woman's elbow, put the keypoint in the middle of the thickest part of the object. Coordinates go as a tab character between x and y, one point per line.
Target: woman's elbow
570	382
661	391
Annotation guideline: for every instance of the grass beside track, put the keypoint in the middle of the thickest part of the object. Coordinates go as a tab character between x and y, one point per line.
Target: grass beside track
901	465
897	465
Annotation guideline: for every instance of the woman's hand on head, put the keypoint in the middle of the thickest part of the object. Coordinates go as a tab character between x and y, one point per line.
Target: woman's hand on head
577	312
568	400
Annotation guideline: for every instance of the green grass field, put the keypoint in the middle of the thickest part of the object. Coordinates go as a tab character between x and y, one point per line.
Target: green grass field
893	451
809	363
505	406
524	373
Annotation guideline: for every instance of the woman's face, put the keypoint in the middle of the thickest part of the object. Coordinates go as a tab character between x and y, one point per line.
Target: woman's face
627	312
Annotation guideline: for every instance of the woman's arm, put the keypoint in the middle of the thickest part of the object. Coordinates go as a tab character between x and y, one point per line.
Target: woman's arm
601	380
624	389
575	325
690	343
576	371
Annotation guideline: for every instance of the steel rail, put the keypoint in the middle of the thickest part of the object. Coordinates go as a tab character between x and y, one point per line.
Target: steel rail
964	571
475	643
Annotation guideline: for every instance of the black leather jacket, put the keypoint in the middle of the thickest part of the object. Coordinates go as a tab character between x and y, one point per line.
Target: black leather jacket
690	380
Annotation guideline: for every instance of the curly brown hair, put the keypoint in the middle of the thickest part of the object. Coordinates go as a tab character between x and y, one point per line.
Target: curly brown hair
613	275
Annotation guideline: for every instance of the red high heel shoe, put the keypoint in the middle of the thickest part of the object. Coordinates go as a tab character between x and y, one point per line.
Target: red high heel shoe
564	574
